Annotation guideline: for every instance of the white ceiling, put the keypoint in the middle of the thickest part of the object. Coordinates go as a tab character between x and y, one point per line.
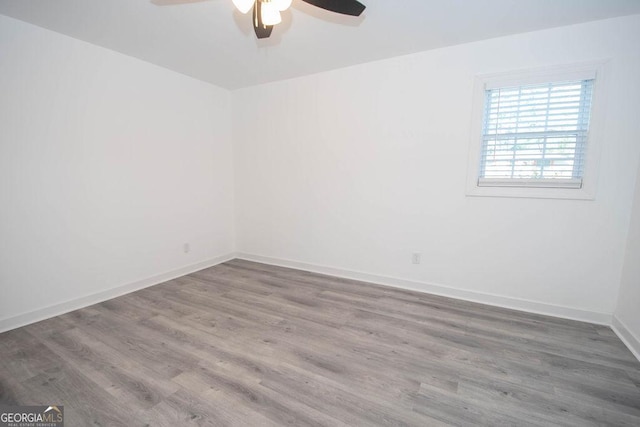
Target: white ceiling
211	41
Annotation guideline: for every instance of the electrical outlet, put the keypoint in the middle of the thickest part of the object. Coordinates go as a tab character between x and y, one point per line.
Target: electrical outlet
186	248
416	258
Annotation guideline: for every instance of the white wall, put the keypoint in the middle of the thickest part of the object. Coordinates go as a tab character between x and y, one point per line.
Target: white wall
357	168
108	165
628	311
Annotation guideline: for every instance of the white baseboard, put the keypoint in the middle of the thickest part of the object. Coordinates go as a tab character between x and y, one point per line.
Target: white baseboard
85	301
628	338
435	289
496	300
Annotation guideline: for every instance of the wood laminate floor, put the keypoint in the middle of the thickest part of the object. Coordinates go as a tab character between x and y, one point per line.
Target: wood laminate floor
248	344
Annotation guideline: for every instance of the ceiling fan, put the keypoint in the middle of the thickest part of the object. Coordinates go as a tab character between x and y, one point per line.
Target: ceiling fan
266	13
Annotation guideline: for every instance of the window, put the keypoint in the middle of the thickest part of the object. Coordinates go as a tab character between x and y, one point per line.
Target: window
534	138
536	133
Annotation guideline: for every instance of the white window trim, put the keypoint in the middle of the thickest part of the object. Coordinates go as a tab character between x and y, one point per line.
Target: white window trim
587	191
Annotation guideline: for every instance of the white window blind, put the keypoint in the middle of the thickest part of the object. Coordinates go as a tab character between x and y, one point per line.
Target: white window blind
536	135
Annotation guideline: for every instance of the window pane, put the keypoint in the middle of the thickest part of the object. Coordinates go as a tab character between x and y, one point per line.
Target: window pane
536	131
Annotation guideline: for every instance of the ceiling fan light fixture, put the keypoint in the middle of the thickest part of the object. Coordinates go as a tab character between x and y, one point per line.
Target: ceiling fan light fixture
282	5
244	6
270	13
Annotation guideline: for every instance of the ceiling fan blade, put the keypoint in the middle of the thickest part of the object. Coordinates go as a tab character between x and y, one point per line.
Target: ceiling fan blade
345	7
174	2
262	31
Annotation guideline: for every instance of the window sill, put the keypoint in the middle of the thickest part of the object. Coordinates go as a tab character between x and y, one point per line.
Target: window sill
531	192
